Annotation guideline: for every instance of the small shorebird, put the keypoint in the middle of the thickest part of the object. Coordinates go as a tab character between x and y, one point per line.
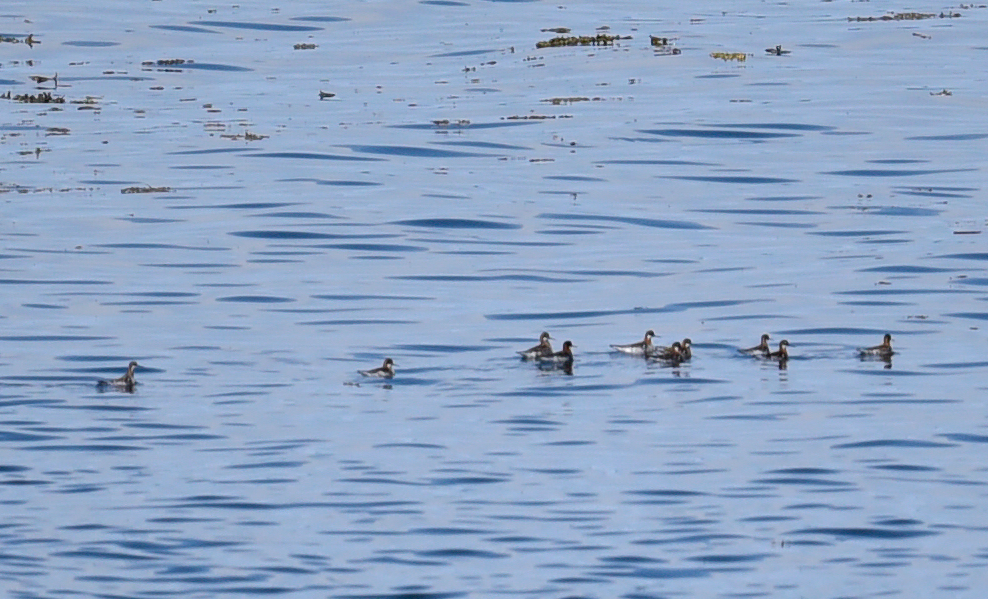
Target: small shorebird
639	348
672	355
123	383
687	348
385	371
544	348
884	350
783	354
762	348
565	356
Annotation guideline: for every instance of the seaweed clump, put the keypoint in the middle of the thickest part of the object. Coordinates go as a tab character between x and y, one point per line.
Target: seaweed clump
601	39
40	98
663	46
147	189
738	56
29	40
907	16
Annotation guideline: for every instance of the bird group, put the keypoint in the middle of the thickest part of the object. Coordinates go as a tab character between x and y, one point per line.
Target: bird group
672	355
543	355
677	353
882	351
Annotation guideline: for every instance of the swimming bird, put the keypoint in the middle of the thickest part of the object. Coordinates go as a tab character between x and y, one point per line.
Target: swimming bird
560	357
679	348
783	354
884	350
762	348
686	348
123	383
640	348
544	348
385	371
672	355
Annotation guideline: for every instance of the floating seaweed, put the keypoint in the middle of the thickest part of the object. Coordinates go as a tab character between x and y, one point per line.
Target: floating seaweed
166	62
246	136
570	100
663	46
146	189
738	56
443	123
88	103
537	117
29	40
601	39
907	16
41	98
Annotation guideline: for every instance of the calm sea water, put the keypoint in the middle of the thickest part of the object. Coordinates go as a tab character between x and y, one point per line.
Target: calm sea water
458	193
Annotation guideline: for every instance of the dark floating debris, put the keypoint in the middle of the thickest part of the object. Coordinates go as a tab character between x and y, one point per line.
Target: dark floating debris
42	98
305	46
166	62
777	51
146	189
39	79
569	100
29	40
444	123
537	117
246	136
907	16
664	46
601	39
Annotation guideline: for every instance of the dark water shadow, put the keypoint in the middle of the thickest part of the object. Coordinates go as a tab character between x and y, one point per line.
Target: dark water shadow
258	26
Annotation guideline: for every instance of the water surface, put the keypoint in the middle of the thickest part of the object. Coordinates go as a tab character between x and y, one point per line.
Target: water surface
255	202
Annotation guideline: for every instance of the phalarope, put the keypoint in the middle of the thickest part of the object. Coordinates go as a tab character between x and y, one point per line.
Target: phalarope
783	354
687	348
682	350
671	355
762	348
560	357
124	383
884	350
386	371
640	348
544	348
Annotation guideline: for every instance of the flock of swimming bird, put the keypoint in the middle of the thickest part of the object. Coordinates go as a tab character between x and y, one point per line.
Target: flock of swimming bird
673	355
542	354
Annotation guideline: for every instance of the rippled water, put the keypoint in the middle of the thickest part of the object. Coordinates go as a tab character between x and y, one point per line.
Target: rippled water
458	193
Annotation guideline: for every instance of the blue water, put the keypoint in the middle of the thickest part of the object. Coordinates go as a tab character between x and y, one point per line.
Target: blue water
459	193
